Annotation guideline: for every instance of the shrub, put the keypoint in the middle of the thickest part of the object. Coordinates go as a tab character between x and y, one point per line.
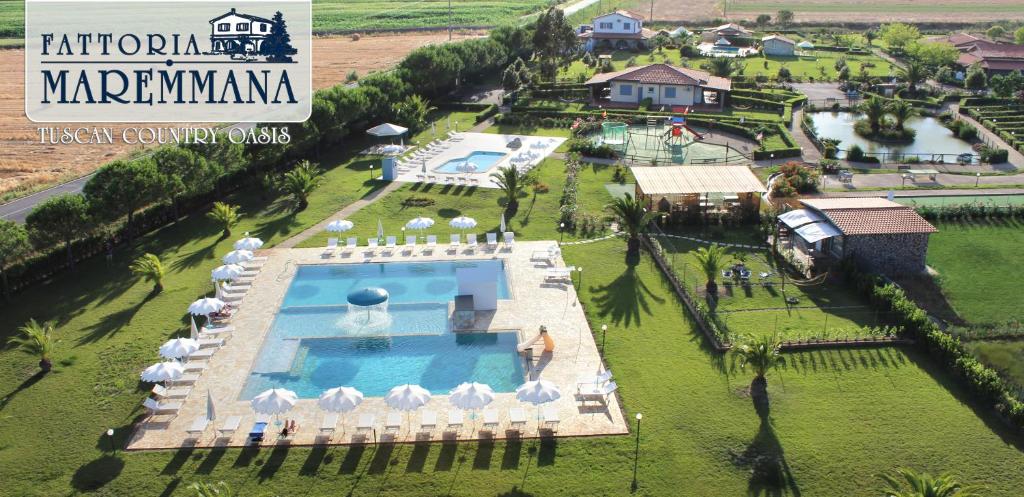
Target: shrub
631	62
588	148
414	201
993	155
796	178
855	153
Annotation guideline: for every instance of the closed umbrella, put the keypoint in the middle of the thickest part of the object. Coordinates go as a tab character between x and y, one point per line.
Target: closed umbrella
227	272
380	230
163	371
275	401
502	226
340	399
248	243
194	331
177	348
407	398
211	413
538	392
206	306
420	223
237	257
462	223
339	226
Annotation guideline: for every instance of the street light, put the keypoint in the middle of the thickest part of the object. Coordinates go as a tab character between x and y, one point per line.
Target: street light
636	455
561	232
580	269
110	435
977	179
604	331
772	161
371	171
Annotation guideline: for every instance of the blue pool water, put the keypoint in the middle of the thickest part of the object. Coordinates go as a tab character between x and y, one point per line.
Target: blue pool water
483	160
316	342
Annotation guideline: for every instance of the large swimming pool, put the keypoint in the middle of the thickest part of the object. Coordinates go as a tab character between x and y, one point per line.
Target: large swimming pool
316	342
483	161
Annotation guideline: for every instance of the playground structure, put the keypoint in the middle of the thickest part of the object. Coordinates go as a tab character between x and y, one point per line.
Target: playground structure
661	140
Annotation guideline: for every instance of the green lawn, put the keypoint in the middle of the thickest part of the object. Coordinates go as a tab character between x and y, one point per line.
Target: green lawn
825	310
896	8
1005	356
977	264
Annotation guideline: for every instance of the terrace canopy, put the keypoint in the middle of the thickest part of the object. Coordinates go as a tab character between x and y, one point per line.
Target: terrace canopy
680	188
387	129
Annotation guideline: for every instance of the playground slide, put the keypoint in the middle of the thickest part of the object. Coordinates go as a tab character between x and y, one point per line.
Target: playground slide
698	135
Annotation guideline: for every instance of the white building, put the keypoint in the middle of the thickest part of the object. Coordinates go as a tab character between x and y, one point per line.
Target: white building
238	33
778	45
619	30
663	84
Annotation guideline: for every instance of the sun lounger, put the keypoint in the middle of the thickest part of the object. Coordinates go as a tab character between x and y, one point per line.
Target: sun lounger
456	418
198	426
492	241
332	245
185	379
211	342
510	238
432	178
431	243
329	422
455	242
448	180
428	420
154	407
371	245
216	330
170	393
491	419
559	273
421	177
517	417
390	243
350	245
258	430
230	426
195	366
546	255
595	379
366	422
203	353
410	243
549	414
471	242
597	392
393	421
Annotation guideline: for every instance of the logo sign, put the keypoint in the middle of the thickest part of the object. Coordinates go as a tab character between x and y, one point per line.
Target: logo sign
167	61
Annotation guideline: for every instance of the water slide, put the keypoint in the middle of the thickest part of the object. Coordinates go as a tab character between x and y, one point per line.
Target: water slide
549	343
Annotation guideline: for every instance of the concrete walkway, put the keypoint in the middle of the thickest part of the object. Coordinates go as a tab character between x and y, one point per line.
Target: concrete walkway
922	193
347	211
895	180
809	152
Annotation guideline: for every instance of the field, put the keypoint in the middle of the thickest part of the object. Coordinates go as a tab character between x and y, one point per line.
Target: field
878	10
836	418
25	163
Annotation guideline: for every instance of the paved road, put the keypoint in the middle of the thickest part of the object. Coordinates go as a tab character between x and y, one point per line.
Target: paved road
17	210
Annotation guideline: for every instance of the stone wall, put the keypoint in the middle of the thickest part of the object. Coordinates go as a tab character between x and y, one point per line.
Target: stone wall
892	255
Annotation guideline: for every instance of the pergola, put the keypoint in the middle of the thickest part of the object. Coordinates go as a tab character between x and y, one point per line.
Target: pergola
682	189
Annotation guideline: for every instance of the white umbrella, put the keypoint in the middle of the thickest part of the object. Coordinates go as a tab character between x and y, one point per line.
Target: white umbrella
462	223
206	306
407	398
227	272
163	371
340	399
502	226
211	413
471	396
237	257
420	223
538	392
339	226
248	243
380	229
177	348
275	401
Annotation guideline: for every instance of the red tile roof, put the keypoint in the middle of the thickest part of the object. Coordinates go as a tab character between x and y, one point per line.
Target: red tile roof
664	74
870	216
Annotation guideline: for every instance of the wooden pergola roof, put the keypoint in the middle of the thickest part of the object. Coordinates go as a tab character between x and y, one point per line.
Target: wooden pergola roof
684	180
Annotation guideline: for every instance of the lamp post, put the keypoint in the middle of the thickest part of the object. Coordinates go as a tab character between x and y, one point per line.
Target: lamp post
371	171
636	454
561	232
977	179
604	331
580	269
771	161
110	436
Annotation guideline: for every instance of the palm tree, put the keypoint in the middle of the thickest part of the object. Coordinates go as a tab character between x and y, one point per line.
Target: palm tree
225	215
300	182
149	267
512	183
220	489
711	260
913	73
723	66
874	109
916	484
901	110
632	218
36	339
761	355
413	112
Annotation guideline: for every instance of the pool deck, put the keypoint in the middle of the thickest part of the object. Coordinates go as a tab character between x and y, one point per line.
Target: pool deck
535	302
468	143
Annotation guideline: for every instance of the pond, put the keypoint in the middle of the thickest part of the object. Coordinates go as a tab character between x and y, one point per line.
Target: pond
932	137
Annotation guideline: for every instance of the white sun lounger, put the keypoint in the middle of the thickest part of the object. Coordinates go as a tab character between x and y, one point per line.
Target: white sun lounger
230	426
410	243
393	421
456	418
329	422
598	392
431	243
155	407
491	419
195	366
371	245
545	255
216	330
471	242
350	244
198	426
366	422
454	242
510	238
492	241
211	342
202	353
428	420
185	379
332	245
517	417
169	393
595	379
549	414
559	273
390	243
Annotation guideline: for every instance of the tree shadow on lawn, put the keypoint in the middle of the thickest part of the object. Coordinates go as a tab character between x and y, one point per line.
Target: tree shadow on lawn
770	474
195	257
31	380
624	298
113	322
274	462
94	474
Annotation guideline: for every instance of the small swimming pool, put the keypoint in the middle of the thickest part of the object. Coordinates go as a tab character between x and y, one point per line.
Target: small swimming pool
317	342
482	159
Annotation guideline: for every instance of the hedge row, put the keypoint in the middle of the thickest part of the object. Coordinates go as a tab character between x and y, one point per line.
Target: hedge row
983	382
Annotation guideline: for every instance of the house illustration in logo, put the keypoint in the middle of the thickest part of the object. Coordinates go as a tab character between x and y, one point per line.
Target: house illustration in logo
247	35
